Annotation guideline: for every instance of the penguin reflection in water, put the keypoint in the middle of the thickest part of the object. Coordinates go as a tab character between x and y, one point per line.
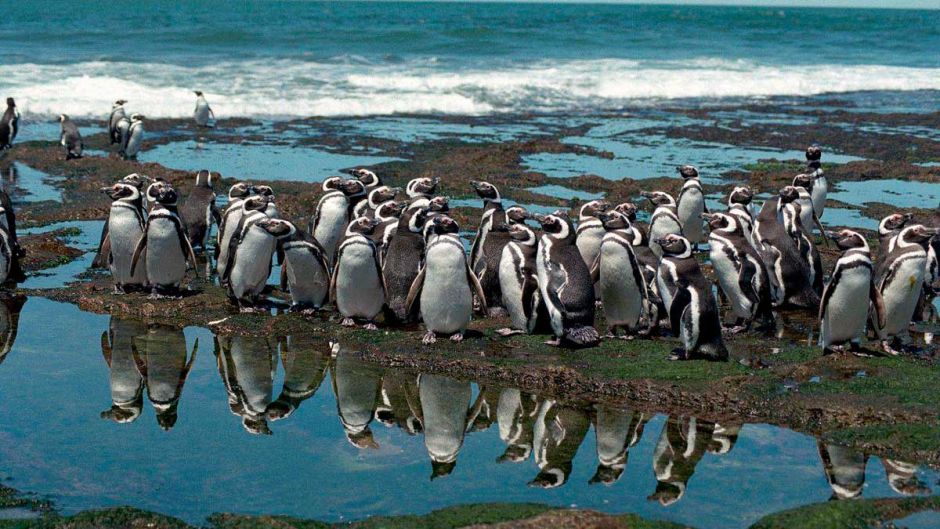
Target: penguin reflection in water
10	250
304	371
247	365
10	308
516	413
681	446
617	431
357	387
446	414
845	472
558	432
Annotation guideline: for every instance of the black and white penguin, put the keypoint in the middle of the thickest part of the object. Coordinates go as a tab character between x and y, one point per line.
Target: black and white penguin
616	430
739	207
333	212
305	365
199	211
518	282
788	271
639	233
232	214
15	252
682	444
741	274
356	286
247	365
690	205
888	230
271	209
900	280
369	179
126	221
445	405
619	278
820	182
305	271
516	413
402	261
420	191
251	210
687	296
491	237
844	309
445	286
126	380
804	185
202	112
845	470
357	386
790	214
70	138
138	181
591	230
558	433
565	283
375	198
388	214
117	114
134	138
9	124
250	262
665	219
161	355
167	248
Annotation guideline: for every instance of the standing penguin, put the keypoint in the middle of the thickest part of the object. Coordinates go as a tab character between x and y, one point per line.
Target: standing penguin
332	215
518	282
900	281
789	212
591	230
305	271
687	295
741	274
271	209
9	124
251	210
739	207
845	300
402	262
167	249
232	214
250	262
620	281
202	113
664	221
888	230
789	272
375	198
492	236
565	283
117	114
199	211
134	138
445	285
70	138
356	286
8	223
691	205
101	259
820	183
804	186
126	221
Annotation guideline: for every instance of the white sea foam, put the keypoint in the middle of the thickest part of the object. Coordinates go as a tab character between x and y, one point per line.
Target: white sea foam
290	88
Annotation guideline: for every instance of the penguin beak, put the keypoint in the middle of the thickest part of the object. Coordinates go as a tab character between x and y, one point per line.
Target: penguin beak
661	241
706	216
539	218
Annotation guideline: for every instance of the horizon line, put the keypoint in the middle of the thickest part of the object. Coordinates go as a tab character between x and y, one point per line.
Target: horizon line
690	3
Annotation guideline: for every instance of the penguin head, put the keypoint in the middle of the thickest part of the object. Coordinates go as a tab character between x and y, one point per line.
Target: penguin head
441	224
893	222
440	469
122	191
155	189
607	474
439	204
167	196
256	425
389	210
721	222
382	194
367	177
803	180
123	414
675	245
668	493
265	191
198	93
813	153
515	453
331	184
63	118
415	219
848	239
137	117
11	103
282	408
422	187
279	229
687	171
136	180
486	191
916	234
740	195
788	194
239	190
551	478
522	234
658	198
353	188
362	439
203	178
593	208
517	214
557	225
166	418
255	203
627	208
120	102
362	226
615	220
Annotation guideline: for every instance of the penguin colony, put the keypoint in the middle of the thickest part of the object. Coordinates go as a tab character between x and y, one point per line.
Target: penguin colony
370	254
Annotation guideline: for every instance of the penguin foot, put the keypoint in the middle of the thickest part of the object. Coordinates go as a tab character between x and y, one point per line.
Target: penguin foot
456	338
506	331
429	338
370	327
348	322
554	343
308	312
735	329
678	354
887	348
118	290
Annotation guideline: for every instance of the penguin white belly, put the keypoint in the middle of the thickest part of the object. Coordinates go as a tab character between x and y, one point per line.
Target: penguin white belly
819	193
308	281
126	381
689	210
507	408
125	231
358	285
444	403
252	264
900	296
806	212
728	280
254	369
446	299
612	430
543	269
692	321
846	310
511	287
166	264
589	243
660	227
331	225
134	142
622	297
201	114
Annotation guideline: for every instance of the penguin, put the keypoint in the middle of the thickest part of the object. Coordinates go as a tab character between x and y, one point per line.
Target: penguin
134	138
445	286
250	210
117	114
638	234
900	281
369	179
232	214
101	258
167	248
247	365
375	198
9	124
305	271
420	191
402	262
441	205
789	213
688	298
516	413
902	477
740	271
739	207
199	211
619	278
491	237
304	370
565	283
845	470
388	214
844	309
445	410
70	138
126	221
161	355
357	287
399	405
518	282
202	112
804	186
126	380
682	444
788	271
591	230
617	431
15	251
690	205
10	308
888	230
250	260
557	435
820	182
7	253
357	387
664	221
332	215
267	192
724	437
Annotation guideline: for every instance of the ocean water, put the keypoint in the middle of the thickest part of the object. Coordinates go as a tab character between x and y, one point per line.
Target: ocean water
282	59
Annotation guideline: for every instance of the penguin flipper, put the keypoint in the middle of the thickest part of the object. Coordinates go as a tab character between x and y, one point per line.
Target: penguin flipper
139	249
477	288
596	269
101	259
283	282
415	291
216	214
339	256
680	302
827	292
878	303
106	347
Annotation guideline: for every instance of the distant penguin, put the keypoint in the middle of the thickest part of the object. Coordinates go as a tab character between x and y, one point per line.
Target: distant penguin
117	114
126	221
134	138
518	282
232	214
665	219
356	286
250	263
376	197
203	112
565	283
591	230
445	286
305	271
739	207
789	272
125	378
332	215
199	211
491	237
619	278
844	309
271	209
250	210
70	138
820	183
790	214
900	281
690	205
687	295
402	261
740	271
8	223
247	365
804	186
167	248
9	124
